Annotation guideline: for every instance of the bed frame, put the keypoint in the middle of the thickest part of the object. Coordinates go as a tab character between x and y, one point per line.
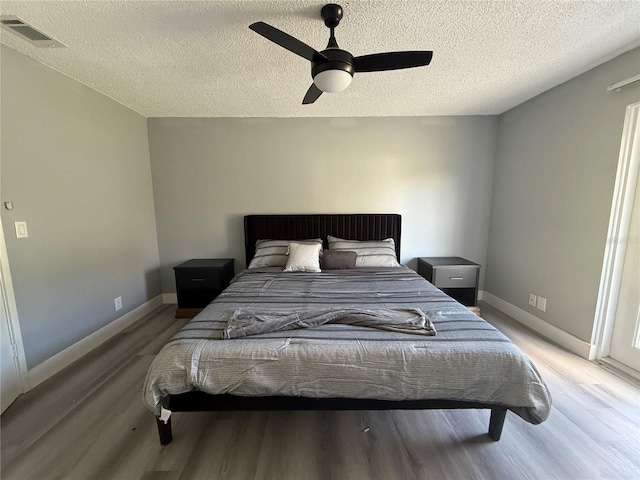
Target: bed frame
299	227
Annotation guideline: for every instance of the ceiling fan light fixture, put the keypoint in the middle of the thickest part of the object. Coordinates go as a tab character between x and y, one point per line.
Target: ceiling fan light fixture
332	69
333	81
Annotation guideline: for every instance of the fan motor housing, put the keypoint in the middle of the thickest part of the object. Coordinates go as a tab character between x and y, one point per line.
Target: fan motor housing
337	59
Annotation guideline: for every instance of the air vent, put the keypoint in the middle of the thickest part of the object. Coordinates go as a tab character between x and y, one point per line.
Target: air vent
28	32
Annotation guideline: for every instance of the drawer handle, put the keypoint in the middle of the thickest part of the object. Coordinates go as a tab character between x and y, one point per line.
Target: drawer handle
456	278
197	279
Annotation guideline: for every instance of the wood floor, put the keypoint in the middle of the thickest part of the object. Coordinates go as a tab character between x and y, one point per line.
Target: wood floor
88	422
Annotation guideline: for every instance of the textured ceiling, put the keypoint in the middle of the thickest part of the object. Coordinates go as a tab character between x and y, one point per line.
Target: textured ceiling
199	58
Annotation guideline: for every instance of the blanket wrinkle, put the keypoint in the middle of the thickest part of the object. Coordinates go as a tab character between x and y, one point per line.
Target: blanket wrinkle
250	321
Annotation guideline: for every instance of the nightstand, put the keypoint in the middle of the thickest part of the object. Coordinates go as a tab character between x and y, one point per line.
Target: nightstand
455	276
199	281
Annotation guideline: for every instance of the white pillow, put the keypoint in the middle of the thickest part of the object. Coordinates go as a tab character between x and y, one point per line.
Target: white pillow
303	257
371	253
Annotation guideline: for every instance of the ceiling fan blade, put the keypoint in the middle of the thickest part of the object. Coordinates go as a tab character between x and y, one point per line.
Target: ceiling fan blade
285	40
379	62
312	94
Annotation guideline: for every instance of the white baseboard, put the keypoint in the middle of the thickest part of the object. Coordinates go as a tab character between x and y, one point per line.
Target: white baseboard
169	298
53	365
556	335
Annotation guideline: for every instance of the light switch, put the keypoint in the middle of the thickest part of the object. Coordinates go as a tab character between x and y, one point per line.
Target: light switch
21	230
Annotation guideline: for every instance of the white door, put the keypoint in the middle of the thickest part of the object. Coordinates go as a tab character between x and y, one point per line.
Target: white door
617	321
10	386
625	335
12	364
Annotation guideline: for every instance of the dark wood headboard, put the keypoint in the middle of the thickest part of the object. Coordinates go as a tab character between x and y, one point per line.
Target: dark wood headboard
364	226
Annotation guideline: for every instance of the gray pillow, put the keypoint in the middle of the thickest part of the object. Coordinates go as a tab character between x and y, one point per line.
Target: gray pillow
273	253
371	253
338	260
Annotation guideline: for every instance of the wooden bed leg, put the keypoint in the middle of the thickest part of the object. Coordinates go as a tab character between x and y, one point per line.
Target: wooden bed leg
496	422
164	430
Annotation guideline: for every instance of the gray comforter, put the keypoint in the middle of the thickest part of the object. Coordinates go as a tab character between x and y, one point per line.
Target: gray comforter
467	360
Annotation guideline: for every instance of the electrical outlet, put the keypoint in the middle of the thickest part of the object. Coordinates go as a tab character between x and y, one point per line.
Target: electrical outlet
532	299
542	304
118	303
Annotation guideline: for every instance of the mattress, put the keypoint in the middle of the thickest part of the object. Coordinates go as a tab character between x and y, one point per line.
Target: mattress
467	359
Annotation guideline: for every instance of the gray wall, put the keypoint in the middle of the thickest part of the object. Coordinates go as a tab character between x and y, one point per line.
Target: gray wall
207	173
76	166
555	169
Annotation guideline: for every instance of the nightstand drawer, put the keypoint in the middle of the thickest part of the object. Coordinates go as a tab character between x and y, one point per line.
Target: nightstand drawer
455	276
197	278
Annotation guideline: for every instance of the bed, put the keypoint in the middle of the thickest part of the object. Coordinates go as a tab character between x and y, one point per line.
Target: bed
463	363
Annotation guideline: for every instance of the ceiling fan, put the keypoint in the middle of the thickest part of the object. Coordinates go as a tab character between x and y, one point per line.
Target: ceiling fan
332	69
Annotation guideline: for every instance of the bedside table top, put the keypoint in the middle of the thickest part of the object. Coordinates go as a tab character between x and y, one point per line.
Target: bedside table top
446	261
205	262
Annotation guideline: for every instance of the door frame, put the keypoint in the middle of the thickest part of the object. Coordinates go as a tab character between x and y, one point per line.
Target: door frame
11	312
617	234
